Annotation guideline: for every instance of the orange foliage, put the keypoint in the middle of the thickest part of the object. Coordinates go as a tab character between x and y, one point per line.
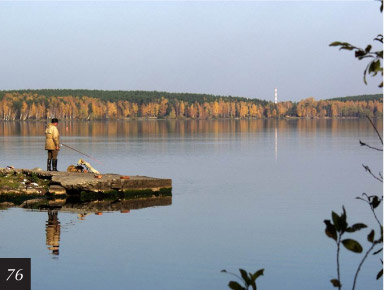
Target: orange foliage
33	106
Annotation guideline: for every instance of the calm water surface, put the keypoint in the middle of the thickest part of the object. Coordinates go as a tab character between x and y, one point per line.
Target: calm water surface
246	194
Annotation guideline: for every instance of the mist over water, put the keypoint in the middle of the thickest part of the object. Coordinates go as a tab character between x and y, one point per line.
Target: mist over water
246	194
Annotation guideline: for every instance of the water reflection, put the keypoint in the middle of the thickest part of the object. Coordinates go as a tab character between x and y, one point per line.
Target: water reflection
222	178
275	143
182	128
52	230
83	209
76	205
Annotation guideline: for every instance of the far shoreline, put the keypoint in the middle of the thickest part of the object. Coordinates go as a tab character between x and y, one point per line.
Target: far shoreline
186	119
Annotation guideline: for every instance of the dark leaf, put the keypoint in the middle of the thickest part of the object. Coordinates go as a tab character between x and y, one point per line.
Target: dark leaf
344	215
359	226
352	245
371	236
381	232
368	48
378	66
360	54
378	251
235	286
365	75
257	274
253	285
224	271
379	274
343	45
347	47
375	201
331	234
336	221
343	220
330	230
374	67
244	275
335	283
356	227
337	43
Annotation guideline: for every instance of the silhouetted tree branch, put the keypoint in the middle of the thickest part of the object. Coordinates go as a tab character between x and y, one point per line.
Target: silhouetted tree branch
370	172
375	65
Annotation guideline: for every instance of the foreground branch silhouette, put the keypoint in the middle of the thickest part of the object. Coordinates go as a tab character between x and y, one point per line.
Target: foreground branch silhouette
338	227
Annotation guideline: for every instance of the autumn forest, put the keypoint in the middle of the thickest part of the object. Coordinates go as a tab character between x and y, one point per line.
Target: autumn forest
103	105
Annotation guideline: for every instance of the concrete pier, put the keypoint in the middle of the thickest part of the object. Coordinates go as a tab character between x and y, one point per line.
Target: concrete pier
73	183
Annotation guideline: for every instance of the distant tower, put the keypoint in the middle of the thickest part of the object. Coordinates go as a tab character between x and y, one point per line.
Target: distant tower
275	96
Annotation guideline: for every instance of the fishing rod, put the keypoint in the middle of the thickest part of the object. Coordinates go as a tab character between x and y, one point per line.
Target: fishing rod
81	153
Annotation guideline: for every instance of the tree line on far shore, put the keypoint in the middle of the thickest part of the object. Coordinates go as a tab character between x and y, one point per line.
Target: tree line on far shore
103	105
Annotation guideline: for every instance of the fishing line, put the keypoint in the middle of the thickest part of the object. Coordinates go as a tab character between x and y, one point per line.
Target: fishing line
81	153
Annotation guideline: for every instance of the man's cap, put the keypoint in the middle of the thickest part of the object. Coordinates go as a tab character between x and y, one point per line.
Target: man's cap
55	120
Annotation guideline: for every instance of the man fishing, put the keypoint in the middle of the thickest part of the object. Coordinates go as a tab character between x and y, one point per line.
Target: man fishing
52	144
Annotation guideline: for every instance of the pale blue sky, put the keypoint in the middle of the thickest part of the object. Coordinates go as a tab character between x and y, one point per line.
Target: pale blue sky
224	48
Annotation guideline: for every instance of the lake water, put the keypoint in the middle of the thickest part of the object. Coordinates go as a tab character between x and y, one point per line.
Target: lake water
246	194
